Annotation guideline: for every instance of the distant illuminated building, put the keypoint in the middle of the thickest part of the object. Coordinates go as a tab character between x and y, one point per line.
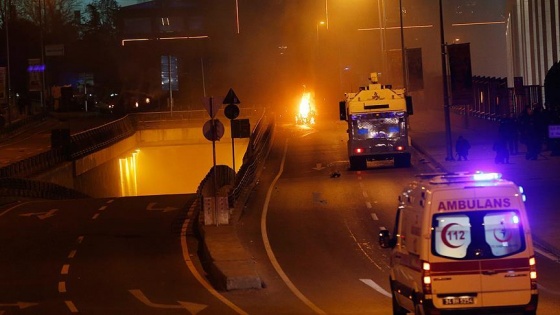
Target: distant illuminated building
533	36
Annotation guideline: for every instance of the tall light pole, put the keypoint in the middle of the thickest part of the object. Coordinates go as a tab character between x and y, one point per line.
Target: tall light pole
403	56
41	27
327	13
448	140
7	16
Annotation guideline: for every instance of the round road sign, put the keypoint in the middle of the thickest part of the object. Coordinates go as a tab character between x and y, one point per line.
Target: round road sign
231	111
213	134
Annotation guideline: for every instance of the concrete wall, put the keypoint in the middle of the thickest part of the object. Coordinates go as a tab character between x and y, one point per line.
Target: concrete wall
97	174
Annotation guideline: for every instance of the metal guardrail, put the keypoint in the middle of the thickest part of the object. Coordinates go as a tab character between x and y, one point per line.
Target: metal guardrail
35	164
89	141
83	143
92	140
257	150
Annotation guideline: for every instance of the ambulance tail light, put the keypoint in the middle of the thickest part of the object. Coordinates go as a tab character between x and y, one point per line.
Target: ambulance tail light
533	272
426	278
359	150
399	148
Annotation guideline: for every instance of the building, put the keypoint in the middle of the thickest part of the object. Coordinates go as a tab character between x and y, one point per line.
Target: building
533	33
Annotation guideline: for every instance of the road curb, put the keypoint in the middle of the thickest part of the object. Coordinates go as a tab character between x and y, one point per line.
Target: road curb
228	264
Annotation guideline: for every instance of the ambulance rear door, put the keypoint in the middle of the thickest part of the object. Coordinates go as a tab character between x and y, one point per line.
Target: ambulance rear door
479	250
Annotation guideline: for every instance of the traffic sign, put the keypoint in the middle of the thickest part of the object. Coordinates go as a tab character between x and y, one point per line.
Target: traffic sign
213	134
211	106
231	98
240	128
231	111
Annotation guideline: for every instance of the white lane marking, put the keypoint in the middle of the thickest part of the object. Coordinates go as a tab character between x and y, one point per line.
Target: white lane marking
202	280
62	287
193	308
110	201
9	209
80	239
95	216
368	204
374	217
65	269
102	208
268	248
71	306
20	305
40	215
364	193
545	289
376	287
360	246
545	254
72	254
152	207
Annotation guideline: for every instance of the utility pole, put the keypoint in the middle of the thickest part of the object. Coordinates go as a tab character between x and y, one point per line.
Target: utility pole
7	16
448	139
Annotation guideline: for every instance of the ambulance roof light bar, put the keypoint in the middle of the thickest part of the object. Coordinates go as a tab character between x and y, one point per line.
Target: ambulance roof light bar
456	177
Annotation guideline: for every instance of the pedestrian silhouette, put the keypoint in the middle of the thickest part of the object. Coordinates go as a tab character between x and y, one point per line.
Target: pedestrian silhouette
462	147
531	132
502	152
510	131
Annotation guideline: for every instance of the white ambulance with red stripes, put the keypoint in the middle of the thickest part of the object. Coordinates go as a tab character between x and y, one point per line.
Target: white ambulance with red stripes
462	243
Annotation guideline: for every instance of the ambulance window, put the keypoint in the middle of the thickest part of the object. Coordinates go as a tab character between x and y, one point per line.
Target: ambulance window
503	232
477	234
452	235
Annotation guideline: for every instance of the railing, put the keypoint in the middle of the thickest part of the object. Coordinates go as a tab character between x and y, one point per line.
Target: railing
83	143
35	164
493	100
257	150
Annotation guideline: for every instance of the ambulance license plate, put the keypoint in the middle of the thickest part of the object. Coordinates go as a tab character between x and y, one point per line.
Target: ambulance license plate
458	300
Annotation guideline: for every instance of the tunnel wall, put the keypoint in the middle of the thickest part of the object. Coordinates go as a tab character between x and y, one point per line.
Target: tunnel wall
97	174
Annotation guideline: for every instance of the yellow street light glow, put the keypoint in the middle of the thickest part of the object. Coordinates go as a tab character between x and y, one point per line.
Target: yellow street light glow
128	168
124	41
395	27
429	26
478	23
184	37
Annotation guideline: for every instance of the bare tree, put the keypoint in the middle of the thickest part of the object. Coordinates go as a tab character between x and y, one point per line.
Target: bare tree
101	18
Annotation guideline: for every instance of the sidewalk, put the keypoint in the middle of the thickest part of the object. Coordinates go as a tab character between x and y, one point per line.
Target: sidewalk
428	136
34	136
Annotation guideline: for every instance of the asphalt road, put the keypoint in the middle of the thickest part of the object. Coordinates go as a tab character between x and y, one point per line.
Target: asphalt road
100	256
313	239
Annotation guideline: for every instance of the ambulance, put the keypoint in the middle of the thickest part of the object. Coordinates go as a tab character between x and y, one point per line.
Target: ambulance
461	244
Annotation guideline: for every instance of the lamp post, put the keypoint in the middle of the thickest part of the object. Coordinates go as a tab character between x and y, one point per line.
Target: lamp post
42	10
7	16
327	13
448	140
403	56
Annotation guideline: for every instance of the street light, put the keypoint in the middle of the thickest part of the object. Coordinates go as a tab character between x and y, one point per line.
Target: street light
403	56
448	140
